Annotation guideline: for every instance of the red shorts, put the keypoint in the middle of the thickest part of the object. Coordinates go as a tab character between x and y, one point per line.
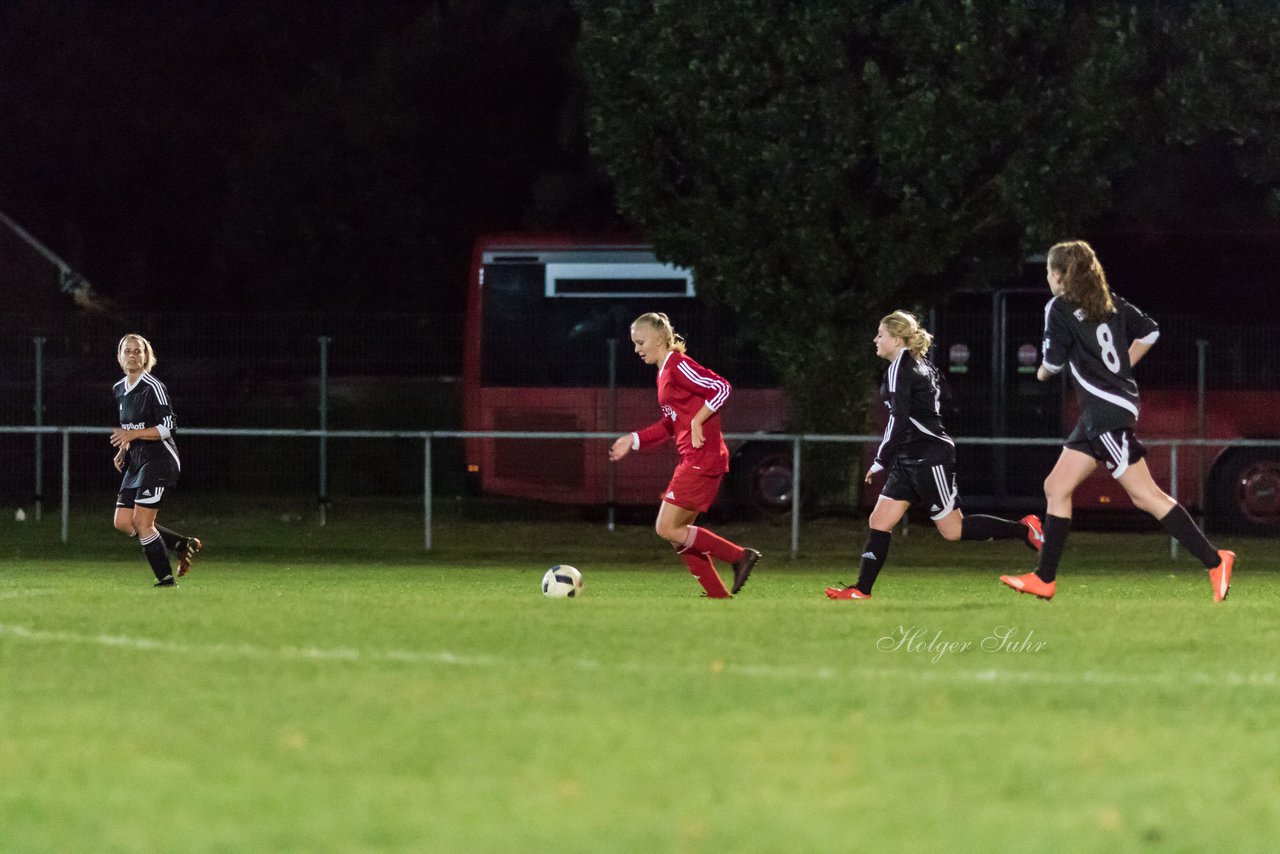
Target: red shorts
691	489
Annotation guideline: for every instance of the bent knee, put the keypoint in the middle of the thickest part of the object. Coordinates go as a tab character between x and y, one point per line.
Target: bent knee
1056	489
670	533
124	524
949	533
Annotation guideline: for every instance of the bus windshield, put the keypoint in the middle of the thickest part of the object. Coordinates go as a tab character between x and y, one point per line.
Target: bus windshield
548	320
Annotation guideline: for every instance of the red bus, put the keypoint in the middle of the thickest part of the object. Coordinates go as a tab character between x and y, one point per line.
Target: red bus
546	315
548	348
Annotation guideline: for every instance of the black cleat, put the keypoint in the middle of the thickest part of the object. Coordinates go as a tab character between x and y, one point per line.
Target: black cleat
167	581
187	551
742	568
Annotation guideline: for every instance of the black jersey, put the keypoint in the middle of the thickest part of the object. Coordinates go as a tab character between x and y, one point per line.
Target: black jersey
913	393
151	462
1098	356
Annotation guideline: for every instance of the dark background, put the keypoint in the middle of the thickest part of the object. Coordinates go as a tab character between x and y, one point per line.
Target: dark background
286	155
323	156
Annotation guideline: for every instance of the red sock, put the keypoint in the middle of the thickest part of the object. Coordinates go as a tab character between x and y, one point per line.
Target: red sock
715	545
705	571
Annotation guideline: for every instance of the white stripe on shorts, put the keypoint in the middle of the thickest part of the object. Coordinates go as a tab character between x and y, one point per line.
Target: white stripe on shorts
155	499
945	494
1119	453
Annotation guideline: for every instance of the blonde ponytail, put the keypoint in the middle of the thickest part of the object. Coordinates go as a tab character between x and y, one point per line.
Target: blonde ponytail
904	325
660	322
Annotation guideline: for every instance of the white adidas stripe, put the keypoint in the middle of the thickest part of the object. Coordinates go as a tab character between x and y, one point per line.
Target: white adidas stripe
719	387
1119	453
947	494
157	387
155	499
888	431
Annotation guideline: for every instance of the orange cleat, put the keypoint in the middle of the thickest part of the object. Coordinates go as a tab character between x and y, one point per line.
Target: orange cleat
1035	533
846	593
1030	583
1220	575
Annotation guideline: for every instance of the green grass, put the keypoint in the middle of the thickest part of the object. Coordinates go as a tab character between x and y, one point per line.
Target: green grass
334	689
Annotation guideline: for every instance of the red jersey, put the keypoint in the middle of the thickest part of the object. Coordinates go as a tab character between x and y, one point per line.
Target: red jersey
683	387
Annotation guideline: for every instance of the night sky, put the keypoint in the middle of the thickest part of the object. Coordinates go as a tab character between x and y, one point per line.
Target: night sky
302	155
290	154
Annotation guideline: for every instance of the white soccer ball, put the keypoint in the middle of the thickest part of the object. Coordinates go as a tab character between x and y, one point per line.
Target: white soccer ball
562	582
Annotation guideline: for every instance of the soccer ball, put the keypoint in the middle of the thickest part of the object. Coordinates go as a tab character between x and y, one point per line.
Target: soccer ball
562	582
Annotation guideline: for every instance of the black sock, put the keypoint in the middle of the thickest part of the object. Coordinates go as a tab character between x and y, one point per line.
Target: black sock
157	557
873	556
1182	527
991	528
171	538
1056	529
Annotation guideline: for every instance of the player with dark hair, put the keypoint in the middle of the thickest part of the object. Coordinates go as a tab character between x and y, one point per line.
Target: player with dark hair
691	397
919	456
148	456
1100	337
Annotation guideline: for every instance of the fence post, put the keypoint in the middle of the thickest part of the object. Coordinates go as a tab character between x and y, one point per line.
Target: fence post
613	426
1201	347
999	397
324	428
426	493
795	497
1173	490
39	422
66	484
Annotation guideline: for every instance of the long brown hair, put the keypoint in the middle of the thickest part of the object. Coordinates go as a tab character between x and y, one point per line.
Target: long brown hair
1083	280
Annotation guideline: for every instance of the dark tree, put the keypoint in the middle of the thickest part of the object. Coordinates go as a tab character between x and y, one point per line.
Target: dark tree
819	163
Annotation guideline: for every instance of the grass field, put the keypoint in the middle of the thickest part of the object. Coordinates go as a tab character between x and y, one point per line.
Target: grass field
333	689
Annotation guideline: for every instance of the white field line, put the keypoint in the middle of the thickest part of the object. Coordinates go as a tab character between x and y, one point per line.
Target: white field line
926	673
286	653
23	594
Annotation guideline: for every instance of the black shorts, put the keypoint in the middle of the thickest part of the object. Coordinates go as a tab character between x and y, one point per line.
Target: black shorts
1116	449
923	482
147	496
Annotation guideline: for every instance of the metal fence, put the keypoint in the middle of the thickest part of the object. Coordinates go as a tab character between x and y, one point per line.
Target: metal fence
389	372
428	477
281	371
357	387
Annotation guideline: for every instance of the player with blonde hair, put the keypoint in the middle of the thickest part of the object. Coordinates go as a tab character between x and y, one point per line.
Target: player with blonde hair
691	397
147	455
919	456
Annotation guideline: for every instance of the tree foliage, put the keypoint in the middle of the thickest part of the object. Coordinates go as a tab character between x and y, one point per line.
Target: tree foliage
818	163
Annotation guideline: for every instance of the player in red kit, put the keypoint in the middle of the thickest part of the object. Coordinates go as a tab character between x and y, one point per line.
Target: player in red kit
691	397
